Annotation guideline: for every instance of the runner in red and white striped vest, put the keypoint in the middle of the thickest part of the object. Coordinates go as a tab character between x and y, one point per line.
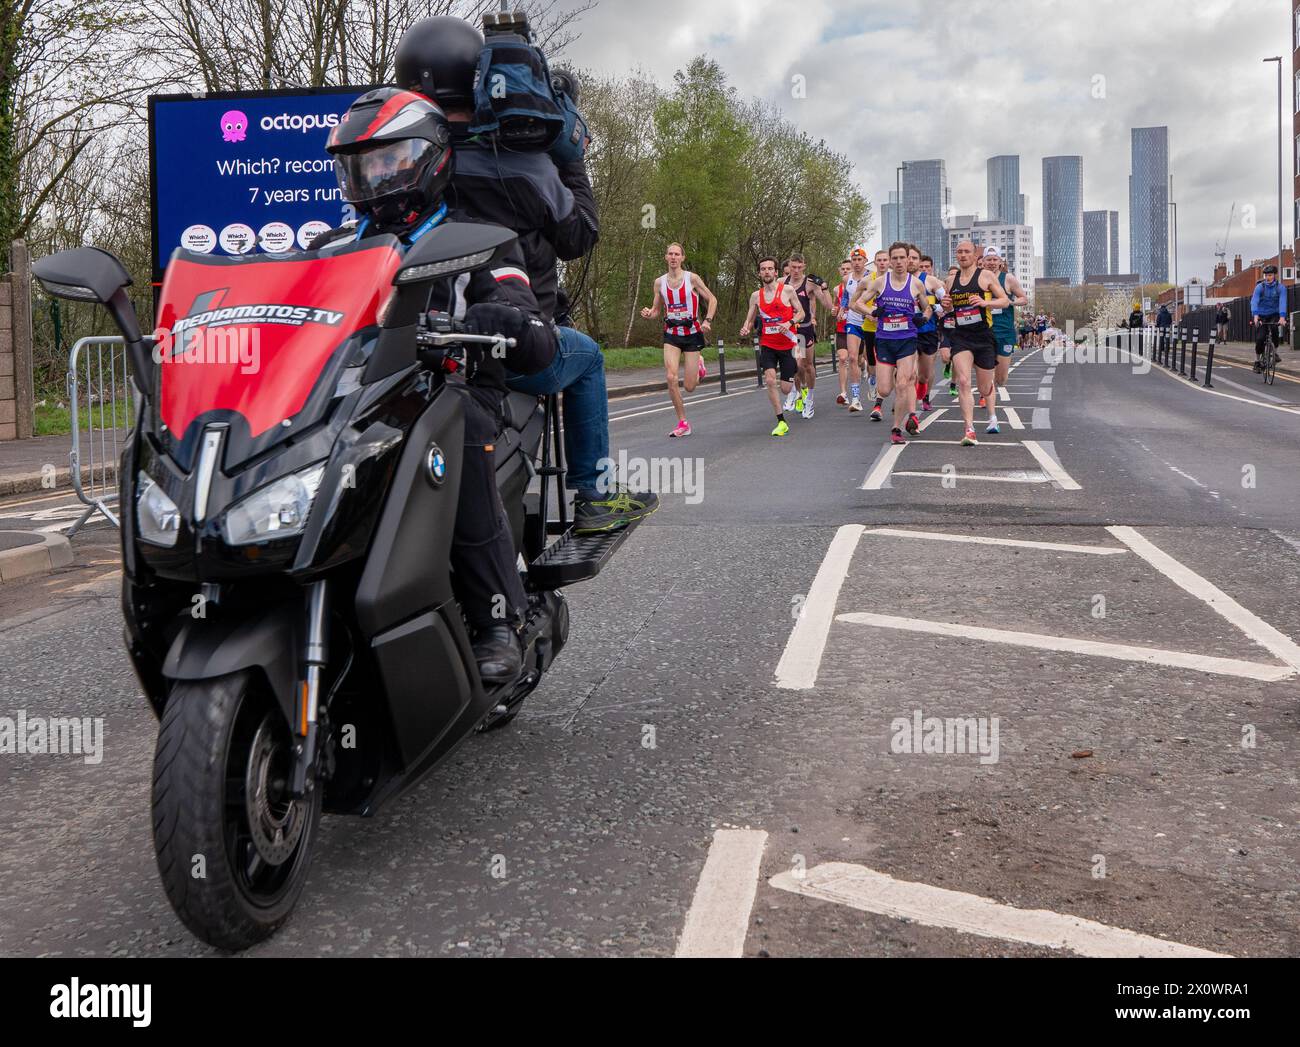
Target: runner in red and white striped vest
677	299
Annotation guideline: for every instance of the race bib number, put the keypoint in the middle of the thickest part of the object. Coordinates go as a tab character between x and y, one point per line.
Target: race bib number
996	312
894	324
969	315
679	316
770	329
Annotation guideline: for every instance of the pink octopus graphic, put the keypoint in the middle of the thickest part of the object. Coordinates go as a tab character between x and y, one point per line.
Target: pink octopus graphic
234	126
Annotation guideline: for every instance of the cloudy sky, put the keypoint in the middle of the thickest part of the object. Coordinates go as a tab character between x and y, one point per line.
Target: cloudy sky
968	79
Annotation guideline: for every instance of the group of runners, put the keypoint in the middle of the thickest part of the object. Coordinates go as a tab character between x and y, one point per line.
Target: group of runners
894	319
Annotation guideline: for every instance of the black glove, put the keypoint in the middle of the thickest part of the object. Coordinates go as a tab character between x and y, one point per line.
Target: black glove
816	281
487	318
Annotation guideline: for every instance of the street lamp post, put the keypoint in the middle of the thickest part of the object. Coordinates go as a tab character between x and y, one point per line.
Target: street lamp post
1174	205
898	204
1278	60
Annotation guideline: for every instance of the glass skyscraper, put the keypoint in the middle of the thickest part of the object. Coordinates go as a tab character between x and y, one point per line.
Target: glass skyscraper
1005	202
1063	218
1148	205
890	232
1100	243
926	207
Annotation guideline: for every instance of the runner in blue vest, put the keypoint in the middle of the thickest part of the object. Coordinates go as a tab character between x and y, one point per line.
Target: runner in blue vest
1004	326
899	298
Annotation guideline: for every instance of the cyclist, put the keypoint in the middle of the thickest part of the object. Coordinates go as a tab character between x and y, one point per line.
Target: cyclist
1267	313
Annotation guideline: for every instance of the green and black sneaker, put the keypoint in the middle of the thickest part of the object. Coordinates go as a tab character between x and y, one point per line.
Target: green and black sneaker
612	512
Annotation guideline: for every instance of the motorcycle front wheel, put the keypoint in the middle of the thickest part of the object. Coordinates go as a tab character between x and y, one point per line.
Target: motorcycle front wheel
233	846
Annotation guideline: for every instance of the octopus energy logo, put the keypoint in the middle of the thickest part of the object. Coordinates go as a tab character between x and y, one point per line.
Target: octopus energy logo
234	126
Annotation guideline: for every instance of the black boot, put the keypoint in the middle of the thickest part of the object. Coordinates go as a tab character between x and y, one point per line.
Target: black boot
499	654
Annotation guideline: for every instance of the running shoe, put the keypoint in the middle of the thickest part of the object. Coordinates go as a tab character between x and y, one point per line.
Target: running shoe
789	401
842	400
913	424
947	370
969	440
926	406
801	399
683	429
871	381
983	402
994	429
952	391
620	508
808	406
704	371
856	406
878	413
897	437
781	428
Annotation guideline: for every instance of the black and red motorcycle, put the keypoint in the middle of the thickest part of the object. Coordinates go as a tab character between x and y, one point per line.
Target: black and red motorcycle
286	528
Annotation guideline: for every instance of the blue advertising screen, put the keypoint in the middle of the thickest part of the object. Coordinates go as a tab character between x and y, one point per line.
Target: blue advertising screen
234	174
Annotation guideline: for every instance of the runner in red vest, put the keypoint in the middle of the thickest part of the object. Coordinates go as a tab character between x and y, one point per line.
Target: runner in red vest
677	299
779	314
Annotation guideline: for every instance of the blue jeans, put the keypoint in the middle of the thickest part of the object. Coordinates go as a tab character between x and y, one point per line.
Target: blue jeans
578	371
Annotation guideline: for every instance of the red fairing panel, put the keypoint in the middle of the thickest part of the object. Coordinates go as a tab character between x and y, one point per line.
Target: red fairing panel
254	336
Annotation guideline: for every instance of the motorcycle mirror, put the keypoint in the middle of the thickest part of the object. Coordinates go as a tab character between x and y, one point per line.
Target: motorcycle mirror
86	274
452	249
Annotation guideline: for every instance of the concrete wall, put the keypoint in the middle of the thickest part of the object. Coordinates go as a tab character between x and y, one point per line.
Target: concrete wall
16	349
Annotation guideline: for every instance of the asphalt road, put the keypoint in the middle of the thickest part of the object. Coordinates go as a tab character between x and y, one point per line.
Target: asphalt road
742	665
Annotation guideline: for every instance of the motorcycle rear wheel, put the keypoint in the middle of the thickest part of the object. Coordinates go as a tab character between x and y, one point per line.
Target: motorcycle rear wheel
233	847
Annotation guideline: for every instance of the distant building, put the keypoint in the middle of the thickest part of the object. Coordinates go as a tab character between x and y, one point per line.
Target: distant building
1116	281
926	206
1100	242
1148	205
1241	281
1006	204
1015	243
1063	218
889	227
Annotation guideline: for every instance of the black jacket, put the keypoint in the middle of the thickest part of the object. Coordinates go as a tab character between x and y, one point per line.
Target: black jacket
505	284
552	209
1164	318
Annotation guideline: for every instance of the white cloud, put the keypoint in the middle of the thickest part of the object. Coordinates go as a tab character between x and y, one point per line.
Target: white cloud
968	79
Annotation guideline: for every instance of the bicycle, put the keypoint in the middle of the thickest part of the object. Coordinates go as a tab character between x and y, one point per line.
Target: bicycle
1271	356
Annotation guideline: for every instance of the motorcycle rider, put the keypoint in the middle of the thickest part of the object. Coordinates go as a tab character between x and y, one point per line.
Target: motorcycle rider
394	157
551	207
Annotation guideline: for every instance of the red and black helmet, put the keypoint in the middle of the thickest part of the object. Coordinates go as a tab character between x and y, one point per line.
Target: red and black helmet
392	152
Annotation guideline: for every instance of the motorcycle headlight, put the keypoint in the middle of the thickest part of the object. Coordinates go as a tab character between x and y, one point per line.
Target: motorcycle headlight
156	516
277	511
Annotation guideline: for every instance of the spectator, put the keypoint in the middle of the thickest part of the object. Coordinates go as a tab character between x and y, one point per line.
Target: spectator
1222	318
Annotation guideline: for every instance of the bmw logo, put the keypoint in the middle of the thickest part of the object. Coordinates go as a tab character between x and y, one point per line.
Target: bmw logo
436	466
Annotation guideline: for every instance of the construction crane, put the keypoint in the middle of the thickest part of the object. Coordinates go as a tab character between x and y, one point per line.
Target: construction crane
1221	251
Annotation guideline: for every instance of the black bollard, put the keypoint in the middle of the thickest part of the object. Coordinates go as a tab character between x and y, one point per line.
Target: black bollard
1209	361
758	366
1196	346
722	367
1182	351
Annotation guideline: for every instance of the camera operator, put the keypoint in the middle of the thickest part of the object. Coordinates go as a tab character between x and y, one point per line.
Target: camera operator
550	205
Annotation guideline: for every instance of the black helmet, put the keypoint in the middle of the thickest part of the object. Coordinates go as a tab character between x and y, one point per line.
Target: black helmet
439	57
1270	269
392	152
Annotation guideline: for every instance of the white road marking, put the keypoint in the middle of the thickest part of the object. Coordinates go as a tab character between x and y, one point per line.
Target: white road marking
797	670
1004	394
950	443
1027	478
1214	392
1042	418
1048	379
932	418
1258	630
1289	541
1051	466
1059	547
1094	648
1253	392
1045	393
880	472
718	920
870	891
1013	416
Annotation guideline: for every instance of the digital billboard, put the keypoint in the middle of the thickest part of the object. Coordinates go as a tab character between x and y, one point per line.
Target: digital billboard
235	173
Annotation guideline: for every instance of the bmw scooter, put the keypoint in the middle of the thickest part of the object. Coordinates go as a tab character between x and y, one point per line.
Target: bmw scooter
286	529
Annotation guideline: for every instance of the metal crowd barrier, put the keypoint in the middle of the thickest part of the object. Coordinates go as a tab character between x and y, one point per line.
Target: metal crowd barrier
98	381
